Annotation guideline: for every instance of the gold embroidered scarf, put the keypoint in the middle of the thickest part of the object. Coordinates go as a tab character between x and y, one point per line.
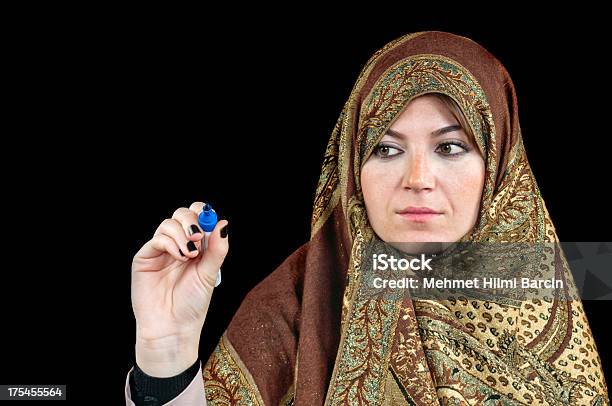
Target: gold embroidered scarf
306	335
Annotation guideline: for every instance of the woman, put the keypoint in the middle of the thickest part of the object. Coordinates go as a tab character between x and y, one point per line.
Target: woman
432	121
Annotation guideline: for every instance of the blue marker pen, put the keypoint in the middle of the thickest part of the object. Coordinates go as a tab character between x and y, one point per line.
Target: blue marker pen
207	220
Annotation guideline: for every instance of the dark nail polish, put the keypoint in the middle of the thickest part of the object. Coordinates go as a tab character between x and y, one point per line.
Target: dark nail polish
223	231
181	252
191	246
193	229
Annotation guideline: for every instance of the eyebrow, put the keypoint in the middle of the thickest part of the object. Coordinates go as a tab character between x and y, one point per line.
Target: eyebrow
436	133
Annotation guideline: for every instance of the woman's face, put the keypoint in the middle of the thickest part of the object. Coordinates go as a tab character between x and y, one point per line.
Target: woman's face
426	160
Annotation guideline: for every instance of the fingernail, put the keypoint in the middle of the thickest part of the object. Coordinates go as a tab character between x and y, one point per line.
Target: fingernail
193	229
223	231
191	246
181	252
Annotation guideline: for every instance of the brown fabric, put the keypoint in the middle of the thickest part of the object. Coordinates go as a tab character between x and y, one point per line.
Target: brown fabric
298	304
288	332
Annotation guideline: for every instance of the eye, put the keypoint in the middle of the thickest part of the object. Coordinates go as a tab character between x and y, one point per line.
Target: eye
451	148
384	151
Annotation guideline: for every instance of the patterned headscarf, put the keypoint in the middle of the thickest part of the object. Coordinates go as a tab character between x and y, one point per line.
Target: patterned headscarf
306	335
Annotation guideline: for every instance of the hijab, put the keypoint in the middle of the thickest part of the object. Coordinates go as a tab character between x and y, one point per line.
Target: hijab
308	335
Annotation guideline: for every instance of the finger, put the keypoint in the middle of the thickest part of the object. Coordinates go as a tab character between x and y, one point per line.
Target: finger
158	245
174	230
189	221
197	207
214	255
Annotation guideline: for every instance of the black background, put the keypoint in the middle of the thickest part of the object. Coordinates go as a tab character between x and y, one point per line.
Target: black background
117	117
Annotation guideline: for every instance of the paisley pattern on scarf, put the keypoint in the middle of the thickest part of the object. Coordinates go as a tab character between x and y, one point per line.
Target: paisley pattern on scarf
402	350
505	354
226	380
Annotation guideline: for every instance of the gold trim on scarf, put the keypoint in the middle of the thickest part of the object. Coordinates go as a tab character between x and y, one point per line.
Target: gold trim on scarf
227	380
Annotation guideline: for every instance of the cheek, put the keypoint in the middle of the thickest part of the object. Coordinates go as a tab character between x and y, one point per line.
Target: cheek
377	186
464	186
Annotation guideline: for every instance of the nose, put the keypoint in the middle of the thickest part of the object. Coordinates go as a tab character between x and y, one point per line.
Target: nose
418	175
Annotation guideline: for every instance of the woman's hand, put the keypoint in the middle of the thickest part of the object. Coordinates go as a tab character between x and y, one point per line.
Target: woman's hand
172	285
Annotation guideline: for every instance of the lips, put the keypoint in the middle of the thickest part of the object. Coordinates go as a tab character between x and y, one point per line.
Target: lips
419	214
418	210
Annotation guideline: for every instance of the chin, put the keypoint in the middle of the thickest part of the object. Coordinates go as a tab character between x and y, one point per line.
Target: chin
419	237
416	247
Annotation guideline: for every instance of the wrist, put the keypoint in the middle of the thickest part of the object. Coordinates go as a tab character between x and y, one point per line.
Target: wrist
166	356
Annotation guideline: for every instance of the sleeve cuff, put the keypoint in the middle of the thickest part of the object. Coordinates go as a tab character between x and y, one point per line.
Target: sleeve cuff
149	389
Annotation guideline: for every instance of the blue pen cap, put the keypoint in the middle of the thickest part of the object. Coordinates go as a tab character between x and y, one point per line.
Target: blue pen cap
207	219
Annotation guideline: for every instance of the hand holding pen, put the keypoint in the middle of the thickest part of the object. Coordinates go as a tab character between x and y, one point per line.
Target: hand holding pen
173	278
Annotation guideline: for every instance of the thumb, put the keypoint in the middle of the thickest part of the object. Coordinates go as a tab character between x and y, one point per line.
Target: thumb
214	255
